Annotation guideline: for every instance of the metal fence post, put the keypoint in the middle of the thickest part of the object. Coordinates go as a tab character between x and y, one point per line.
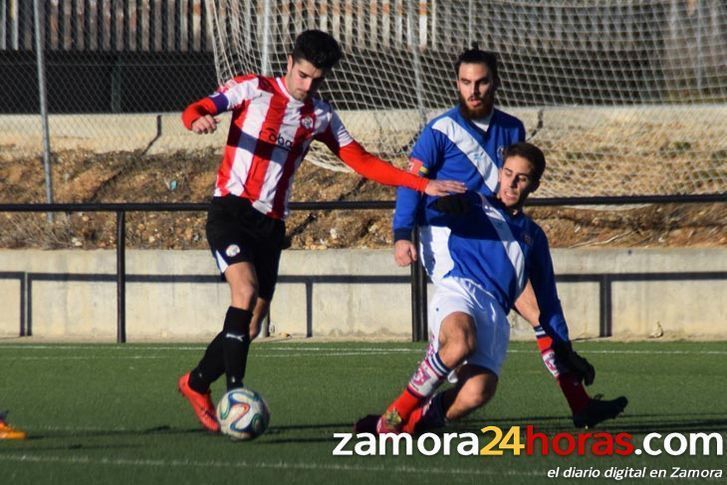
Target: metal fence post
120	277
42	97
414	44
419	325
267	34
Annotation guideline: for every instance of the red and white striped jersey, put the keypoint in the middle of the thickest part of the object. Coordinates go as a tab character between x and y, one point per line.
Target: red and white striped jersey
270	134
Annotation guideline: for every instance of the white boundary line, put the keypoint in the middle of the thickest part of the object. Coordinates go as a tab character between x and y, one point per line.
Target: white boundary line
302	350
87	460
263	355
159	357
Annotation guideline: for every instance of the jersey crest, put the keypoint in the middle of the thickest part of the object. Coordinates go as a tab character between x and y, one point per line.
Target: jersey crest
306	122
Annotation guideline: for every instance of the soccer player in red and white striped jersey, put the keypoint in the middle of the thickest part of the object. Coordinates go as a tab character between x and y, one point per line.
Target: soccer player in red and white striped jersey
274	121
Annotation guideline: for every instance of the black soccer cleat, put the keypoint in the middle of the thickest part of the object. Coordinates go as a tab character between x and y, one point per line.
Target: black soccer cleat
598	411
367	424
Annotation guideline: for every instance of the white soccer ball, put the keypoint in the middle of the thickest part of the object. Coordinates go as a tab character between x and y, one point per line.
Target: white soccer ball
243	414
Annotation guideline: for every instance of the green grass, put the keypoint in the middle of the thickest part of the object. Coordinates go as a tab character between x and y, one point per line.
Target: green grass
111	413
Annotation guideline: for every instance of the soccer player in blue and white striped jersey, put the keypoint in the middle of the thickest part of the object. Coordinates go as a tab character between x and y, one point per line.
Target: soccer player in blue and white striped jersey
495	252
467	143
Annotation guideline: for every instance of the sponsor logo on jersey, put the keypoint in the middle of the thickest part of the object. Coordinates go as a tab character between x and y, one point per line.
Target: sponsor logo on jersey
232	250
500	152
278	140
528	239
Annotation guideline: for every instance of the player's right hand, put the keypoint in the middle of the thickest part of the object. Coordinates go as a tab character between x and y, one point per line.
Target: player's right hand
205	124
438	188
405	253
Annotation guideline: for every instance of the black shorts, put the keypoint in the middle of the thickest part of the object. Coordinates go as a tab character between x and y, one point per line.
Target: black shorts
236	232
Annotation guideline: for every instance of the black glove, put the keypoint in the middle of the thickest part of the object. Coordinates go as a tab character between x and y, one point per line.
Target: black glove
578	365
455	204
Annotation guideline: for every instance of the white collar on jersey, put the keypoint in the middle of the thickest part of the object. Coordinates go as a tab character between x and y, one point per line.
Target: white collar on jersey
484	122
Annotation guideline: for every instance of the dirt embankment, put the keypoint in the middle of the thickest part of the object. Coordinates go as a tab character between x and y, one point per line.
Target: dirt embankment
189	177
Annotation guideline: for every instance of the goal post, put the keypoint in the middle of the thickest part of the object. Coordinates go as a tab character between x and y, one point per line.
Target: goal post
626	97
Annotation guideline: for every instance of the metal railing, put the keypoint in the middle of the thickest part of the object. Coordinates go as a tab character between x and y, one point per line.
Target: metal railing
418	276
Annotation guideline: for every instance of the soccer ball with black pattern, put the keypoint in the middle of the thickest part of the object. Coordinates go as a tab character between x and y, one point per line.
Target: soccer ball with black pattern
243	414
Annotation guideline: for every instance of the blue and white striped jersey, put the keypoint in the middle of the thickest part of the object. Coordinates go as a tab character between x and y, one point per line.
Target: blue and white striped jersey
500	252
451	147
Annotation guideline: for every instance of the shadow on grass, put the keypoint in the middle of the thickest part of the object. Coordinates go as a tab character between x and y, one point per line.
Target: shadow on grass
630	423
337	426
275	441
81	433
280	433
68	447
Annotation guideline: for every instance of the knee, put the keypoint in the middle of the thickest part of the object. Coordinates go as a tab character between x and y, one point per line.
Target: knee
476	398
459	349
456	344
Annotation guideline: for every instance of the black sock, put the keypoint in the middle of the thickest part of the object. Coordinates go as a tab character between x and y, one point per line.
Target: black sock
236	343
211	367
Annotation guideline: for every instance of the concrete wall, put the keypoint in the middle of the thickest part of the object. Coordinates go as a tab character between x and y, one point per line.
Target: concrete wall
194	310
164	133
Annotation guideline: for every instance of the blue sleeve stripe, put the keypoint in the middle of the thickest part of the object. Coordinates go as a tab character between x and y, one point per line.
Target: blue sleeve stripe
220	101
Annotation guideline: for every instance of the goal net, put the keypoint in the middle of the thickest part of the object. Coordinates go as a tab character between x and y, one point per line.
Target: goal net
626	97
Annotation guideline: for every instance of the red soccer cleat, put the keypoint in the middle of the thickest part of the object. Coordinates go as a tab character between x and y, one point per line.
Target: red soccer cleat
7	432
202	404
389	422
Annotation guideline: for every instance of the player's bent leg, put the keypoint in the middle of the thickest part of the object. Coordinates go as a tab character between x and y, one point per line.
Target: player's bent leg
456	341
427	378
477	389
457	338
242	280
258	315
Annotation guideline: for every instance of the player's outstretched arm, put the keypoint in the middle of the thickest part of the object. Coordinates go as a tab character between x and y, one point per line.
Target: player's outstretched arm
378	170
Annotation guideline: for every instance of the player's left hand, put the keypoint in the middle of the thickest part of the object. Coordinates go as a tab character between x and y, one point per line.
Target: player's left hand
577	364
438	188
205	124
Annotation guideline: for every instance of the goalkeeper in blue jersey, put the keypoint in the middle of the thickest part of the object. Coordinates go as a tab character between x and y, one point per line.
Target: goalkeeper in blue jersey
467	143
496	252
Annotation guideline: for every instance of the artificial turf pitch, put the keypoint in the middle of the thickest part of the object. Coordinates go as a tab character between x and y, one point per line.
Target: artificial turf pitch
111	413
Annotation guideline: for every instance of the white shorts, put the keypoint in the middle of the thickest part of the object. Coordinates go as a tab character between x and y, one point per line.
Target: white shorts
493	330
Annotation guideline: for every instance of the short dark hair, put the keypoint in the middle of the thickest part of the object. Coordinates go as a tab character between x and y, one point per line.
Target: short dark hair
529	152
318	48
477	56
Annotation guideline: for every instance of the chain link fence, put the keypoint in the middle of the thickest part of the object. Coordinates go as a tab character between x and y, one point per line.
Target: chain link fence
601	86
102	58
